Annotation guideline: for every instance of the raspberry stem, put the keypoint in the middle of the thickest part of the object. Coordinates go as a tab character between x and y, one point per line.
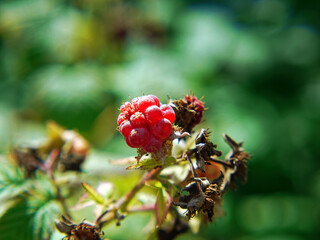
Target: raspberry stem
124	201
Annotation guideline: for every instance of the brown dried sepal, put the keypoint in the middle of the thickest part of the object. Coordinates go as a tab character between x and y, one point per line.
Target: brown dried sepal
73	151
70	162
82	231
188	112
204	149
27	159
238	157
201	201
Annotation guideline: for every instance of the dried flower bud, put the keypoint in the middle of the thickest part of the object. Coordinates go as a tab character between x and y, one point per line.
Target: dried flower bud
26	158
82	231
204	149
188	112
237	157
202	199
73	152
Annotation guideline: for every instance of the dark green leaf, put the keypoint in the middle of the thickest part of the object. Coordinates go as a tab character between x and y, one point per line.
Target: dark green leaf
17	223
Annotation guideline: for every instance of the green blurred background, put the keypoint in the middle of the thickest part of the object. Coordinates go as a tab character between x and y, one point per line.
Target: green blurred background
255	62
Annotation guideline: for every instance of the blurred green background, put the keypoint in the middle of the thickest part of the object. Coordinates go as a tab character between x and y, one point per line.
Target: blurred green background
257	64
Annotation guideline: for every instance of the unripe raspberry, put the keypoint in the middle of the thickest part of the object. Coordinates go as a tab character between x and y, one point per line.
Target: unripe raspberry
153	114
156	100
145	102
161	129
138	120
168	112
126	128
153	145
139	137
121	118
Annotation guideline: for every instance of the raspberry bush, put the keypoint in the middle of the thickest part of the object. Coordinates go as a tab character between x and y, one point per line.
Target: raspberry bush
184	174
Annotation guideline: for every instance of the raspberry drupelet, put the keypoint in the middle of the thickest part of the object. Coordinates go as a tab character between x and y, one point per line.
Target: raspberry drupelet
145	122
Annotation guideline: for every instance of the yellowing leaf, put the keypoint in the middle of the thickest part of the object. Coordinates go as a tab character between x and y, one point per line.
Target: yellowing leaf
150	163
93	193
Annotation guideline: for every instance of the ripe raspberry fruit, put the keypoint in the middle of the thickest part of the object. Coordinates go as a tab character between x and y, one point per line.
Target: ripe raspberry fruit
135	102
145	123
156	100
128	142
145	102
126	128
153	145
121	118
153	114
161	129
168	112
127	108
138	119
139	137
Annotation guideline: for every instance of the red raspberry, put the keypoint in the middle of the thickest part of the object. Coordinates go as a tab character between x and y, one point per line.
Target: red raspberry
144	124
168	112
145	102
127	108
139	137
121	118
153	114
126	128
156	100
138	120
135	102
128	142
153	145
161	129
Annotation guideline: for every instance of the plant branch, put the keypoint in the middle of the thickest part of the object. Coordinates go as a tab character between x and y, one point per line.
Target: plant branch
52	159
224	163
123	202
193	171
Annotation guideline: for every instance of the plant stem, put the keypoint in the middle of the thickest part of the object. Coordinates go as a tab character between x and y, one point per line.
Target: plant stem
53	157
193	171
224	163
123	202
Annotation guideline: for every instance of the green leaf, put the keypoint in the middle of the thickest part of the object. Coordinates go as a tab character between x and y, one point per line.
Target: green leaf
33	221
12	182
17	223
6	205
150	163
93	193
162	206
43	219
